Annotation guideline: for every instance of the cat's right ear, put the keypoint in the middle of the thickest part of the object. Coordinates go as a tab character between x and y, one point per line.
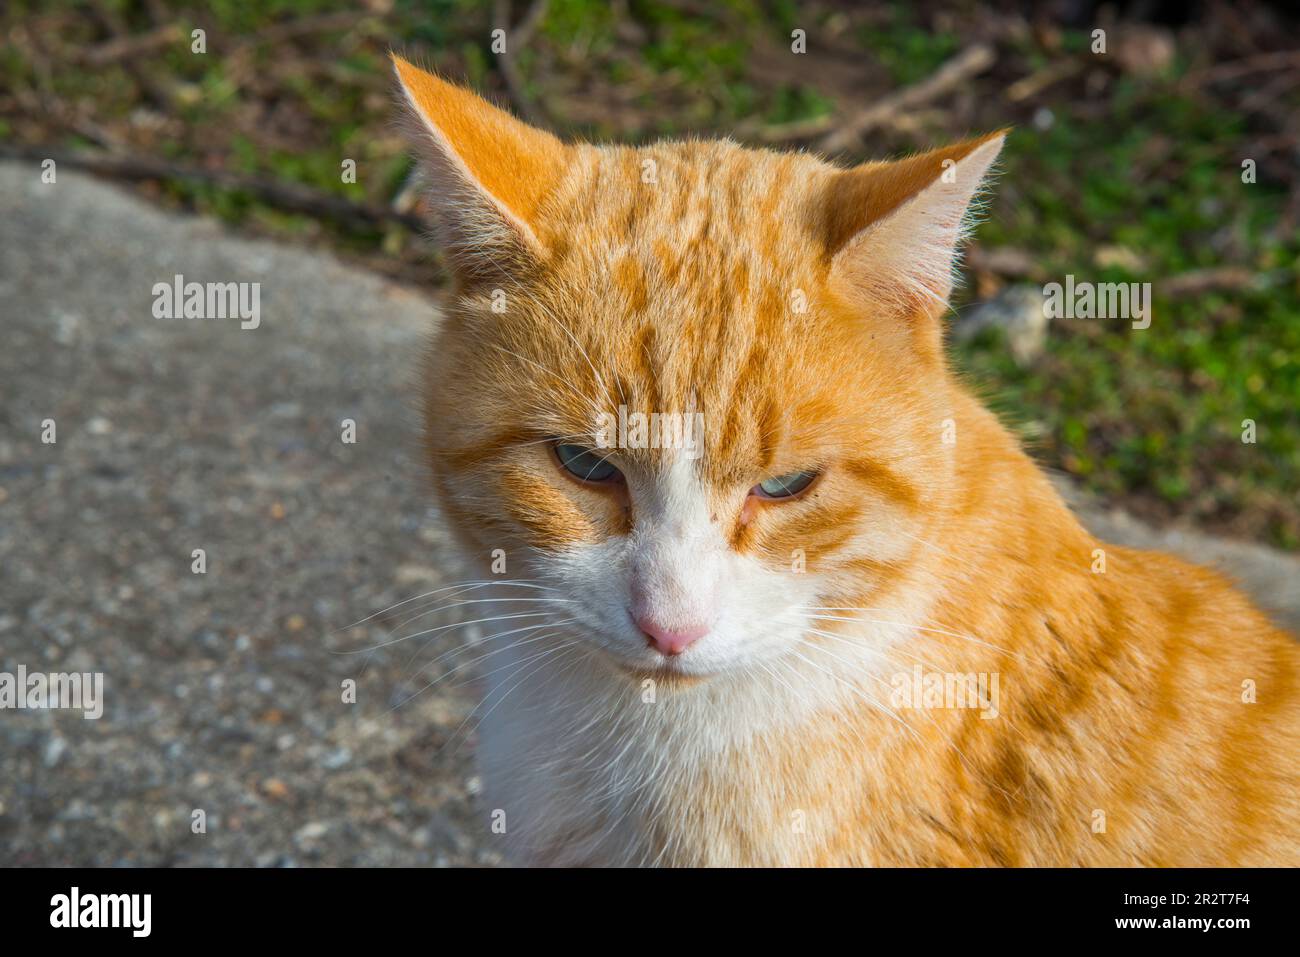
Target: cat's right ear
894	229
488	175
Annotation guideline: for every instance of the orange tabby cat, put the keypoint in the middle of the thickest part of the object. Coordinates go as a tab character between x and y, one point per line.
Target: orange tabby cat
825	611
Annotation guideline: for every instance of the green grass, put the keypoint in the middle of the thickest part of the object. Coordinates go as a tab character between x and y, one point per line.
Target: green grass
1157	414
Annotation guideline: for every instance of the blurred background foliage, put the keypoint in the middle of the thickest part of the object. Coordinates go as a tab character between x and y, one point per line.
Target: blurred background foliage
1125	166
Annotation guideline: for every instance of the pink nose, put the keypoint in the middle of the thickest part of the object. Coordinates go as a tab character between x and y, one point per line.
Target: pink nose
670	641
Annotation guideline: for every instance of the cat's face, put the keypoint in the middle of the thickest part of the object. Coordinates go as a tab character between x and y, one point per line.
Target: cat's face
693	390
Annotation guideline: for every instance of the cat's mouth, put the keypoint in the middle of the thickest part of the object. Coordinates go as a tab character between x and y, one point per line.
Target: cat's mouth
667	676
668	673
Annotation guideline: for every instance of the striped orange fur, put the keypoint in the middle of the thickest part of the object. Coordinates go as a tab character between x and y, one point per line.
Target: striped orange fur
1148	714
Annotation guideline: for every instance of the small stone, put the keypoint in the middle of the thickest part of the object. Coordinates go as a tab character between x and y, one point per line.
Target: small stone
336	759
1145	50
1119	257
416	574
275	789
1018	311
310	833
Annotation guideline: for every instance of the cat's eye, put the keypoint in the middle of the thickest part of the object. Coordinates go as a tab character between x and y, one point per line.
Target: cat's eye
784	486
584	464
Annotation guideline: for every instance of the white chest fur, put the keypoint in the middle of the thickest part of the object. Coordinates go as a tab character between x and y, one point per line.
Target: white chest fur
585	766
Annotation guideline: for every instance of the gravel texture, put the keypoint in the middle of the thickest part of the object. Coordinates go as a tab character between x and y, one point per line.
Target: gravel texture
223	689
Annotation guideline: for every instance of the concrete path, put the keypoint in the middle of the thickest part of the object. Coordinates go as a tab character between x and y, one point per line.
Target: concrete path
223	689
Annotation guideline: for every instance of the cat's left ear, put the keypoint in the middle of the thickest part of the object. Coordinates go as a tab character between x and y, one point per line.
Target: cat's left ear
893	229
489	174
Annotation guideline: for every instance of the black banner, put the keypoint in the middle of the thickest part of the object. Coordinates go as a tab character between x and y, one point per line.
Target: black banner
334	907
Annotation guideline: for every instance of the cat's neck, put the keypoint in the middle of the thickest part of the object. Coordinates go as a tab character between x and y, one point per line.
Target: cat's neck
1011	551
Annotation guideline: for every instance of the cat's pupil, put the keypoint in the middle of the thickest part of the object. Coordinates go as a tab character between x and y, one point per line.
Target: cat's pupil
586	464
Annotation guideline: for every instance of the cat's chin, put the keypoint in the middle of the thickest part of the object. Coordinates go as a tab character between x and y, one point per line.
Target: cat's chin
669	674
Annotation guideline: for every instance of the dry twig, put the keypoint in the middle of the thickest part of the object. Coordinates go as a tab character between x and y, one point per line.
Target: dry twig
127	45
970	62
290	196
517	37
